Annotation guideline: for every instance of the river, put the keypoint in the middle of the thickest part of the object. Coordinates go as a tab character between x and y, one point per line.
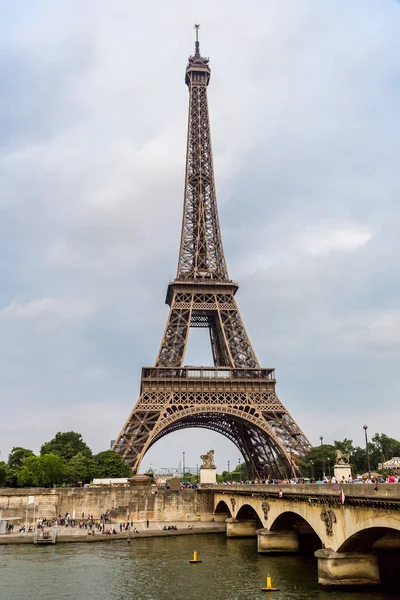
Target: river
158	569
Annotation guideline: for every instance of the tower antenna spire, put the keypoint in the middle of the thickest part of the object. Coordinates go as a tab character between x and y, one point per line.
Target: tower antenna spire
197	43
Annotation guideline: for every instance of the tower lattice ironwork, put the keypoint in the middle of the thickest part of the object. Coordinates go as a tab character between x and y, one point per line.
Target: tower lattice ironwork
235	397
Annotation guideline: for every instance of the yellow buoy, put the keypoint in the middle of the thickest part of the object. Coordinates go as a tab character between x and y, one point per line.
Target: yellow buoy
195	560
269	587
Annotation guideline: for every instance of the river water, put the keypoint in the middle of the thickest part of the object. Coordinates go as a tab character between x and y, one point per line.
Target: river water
158	569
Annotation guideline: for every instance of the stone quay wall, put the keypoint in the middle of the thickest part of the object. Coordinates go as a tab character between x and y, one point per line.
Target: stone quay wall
136	504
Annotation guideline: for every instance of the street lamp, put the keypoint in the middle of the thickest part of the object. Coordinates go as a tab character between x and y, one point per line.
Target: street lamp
312	469
329	466
183	468
323	457
252	466
228	468
365	427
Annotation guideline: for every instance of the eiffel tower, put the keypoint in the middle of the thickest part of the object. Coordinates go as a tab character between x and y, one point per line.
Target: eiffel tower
235	397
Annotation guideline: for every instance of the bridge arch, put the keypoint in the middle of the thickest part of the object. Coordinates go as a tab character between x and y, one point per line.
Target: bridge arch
373	538
248	513
222	511
309	538
371	530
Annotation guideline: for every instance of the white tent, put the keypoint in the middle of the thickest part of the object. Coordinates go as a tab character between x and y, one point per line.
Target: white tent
393	463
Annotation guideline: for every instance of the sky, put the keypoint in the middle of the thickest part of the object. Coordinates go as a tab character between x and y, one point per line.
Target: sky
303	100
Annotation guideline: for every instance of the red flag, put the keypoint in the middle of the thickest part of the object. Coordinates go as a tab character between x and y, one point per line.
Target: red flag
342	496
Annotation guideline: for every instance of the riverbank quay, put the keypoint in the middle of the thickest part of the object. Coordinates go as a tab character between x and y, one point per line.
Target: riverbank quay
125	504
154	530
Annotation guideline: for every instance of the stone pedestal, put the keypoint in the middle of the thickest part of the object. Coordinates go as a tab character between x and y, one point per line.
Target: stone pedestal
208	476
341	471
277	542
346	568
236	528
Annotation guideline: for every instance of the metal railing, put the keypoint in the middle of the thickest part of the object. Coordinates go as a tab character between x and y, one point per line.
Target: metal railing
219	373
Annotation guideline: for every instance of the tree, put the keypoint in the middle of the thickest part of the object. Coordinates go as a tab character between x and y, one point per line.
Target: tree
26	477
243	471
46	470
80	469
111	464
385	447
3	472
17	456
8	476
66	444
11	477
358	460
345	446
312	462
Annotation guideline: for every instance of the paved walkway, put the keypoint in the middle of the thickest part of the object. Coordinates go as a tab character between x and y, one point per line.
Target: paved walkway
155	529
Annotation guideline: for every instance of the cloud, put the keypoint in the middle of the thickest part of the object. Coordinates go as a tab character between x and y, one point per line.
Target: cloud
48	307
93	113
325	240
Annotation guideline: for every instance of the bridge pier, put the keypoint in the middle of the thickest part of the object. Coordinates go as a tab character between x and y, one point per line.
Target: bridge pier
243	528
277	542
347	568
221	517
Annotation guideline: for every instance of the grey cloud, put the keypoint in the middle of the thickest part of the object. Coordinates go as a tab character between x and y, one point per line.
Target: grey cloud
303	101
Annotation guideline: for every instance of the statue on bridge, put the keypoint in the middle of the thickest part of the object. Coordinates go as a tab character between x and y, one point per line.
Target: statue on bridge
208	460
342	458
329	518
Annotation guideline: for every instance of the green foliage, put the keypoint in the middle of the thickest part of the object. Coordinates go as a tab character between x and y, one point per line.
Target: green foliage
41	470
17	456
26	477
80	469
3	472
345	446
385	447
358	460
65	459
381	449
312	462
243	472
111	464
66	444
8	476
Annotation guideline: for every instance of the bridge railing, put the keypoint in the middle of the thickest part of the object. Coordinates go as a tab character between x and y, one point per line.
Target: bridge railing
384	490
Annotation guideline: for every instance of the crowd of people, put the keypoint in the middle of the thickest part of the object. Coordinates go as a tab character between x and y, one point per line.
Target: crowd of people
374	478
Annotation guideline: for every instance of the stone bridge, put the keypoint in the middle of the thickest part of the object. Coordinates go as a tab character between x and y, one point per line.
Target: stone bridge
356	543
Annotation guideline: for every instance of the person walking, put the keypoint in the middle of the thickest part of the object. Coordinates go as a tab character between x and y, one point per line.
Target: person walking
147	523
